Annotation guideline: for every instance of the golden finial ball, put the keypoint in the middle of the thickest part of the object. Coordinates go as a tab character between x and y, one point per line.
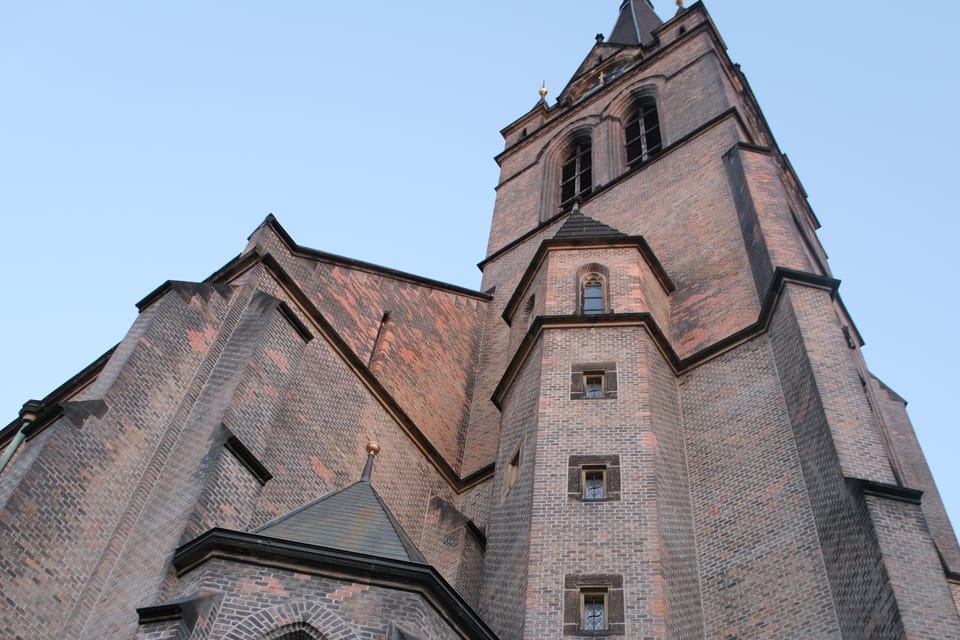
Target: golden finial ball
543	90
373	448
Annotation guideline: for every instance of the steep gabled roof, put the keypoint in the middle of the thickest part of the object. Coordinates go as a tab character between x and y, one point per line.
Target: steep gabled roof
581	226
353	519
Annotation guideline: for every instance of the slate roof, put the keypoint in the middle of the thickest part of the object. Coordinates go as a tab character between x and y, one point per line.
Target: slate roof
353	519
635	25
581	226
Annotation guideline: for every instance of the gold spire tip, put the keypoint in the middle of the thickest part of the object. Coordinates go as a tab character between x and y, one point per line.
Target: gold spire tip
373	448
543	90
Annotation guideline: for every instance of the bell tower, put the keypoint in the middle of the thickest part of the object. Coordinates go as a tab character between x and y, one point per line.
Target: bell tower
689	441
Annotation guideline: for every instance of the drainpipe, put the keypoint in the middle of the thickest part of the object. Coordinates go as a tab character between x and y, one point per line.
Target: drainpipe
27	415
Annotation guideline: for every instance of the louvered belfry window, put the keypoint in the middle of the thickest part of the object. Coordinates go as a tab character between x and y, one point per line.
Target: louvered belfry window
576	176
643	132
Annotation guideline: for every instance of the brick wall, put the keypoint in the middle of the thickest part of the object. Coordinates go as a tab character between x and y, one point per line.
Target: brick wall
624	537
862	596
505	597
684	613
253	601
504	272
70	511
923	597
761	569
428	350
916	473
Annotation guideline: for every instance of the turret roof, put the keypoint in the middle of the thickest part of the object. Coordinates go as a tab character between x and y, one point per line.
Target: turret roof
581	226
353	519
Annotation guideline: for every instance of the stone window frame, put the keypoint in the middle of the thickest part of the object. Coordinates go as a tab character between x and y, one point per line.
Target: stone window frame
590	274
576	587
577	466
579	374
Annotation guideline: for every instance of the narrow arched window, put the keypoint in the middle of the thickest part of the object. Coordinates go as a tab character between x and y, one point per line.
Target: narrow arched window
296	631
643	132
576	176
591	295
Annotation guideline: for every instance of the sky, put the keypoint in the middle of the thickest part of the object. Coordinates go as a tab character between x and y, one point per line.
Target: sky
144	141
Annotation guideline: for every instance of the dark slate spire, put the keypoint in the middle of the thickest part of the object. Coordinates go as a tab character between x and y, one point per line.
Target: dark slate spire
581	226
354	519
636	24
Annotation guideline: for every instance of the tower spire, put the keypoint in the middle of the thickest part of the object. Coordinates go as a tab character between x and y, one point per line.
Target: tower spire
635	24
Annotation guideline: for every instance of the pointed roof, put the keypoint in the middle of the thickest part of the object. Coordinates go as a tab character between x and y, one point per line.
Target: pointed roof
635	24
353	519
581	226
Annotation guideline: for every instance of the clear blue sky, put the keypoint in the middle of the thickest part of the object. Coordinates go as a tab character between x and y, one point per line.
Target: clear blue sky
143	141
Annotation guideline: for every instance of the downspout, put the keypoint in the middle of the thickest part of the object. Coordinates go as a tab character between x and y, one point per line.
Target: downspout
27	415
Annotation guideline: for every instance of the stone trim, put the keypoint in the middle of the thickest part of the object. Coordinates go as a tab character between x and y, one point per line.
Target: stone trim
888	491
578	384
611	467
573	588
246	457
552	244
781	277
250	548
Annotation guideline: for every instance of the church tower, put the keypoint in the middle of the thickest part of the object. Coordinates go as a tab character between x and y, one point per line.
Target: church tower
653	421
690	442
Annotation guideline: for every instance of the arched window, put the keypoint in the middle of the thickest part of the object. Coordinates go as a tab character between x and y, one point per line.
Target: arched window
643	131
591	294
295	631
576	175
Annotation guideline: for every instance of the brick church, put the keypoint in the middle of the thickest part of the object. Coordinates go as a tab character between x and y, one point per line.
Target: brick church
653	421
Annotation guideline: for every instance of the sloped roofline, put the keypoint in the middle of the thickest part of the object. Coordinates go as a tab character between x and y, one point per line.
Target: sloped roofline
408	545
51	403
332	258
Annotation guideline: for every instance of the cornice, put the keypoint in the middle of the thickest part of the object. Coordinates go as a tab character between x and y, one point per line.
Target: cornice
679	365
732	112
605	242
887	491
258	550
50	404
